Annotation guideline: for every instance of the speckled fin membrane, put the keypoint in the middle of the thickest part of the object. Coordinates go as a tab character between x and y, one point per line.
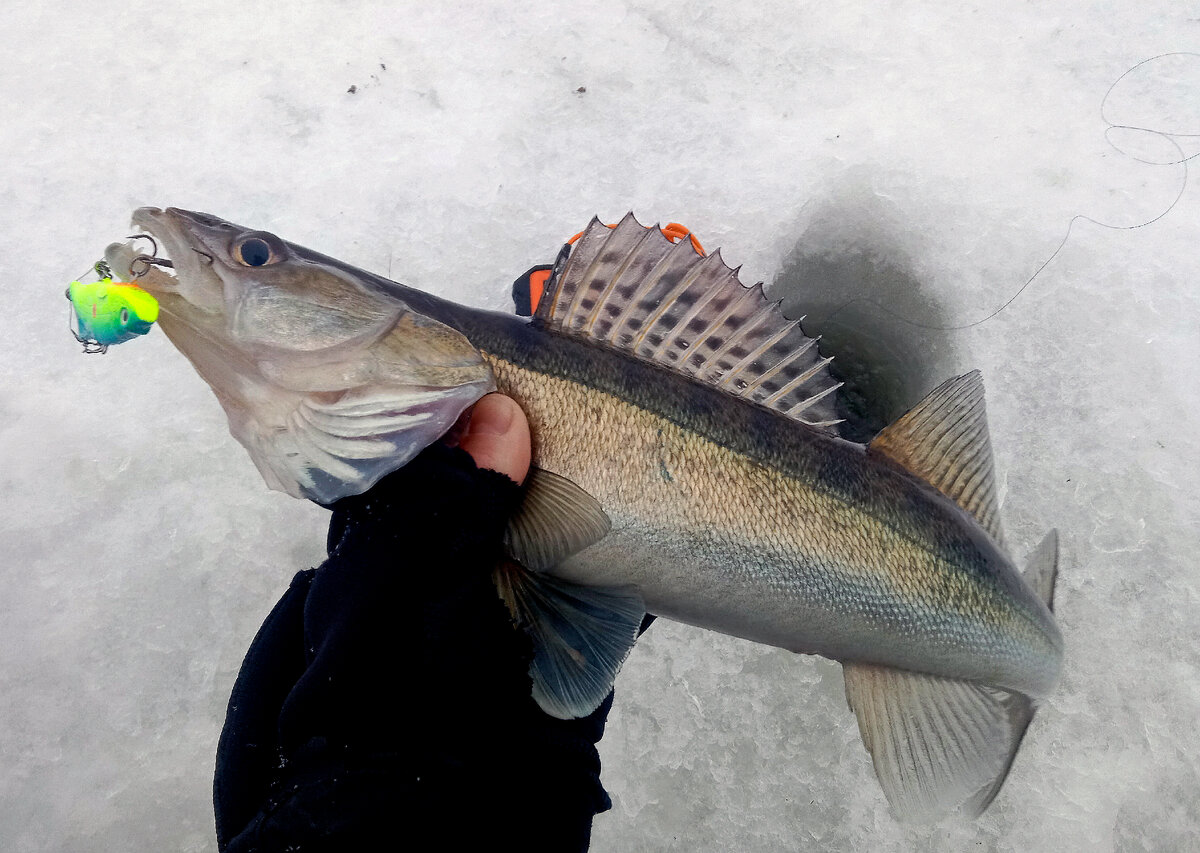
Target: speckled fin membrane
938	744
632	289
944	440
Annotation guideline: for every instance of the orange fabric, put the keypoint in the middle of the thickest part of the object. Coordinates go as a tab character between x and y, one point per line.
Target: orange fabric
673	231
537	285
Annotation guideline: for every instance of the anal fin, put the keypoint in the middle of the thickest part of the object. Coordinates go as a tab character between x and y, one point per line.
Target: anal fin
581	635
938	744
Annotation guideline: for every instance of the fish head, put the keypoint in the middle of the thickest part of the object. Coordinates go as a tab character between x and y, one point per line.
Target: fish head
330	378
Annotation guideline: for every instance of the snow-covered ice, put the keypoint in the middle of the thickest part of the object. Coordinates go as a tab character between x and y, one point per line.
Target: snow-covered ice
926	157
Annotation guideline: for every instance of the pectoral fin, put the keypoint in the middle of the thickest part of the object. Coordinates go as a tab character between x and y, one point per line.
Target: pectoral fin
556	519
581	635
938	744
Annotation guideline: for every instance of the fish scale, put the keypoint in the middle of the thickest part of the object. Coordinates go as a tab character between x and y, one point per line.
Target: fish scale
792	536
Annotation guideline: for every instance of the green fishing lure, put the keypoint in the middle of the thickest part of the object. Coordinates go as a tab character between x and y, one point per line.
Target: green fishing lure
108	312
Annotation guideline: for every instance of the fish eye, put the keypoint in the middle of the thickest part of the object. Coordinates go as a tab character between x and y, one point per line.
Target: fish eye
124	316
253	252
257	249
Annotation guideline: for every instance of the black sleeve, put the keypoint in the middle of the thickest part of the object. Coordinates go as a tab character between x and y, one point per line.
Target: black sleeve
386	699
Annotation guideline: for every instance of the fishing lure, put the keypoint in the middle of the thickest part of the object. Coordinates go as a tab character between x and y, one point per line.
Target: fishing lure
108	312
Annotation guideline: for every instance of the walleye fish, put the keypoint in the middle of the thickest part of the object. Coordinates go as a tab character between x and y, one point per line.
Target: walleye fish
686	463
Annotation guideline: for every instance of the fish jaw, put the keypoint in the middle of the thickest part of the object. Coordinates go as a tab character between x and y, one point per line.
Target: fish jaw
195	280
328	382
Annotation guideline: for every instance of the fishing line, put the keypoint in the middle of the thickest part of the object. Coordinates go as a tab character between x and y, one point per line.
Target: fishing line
1111	127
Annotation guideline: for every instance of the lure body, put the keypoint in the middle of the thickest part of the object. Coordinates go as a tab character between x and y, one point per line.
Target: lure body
111	312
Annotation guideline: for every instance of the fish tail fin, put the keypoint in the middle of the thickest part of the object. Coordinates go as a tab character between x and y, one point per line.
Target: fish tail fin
1041	570
938	744
941	744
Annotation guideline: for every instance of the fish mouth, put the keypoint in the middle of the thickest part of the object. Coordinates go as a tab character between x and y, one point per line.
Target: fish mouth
190	293
194	278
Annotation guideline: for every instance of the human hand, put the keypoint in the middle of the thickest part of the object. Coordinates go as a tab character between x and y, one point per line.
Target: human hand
388	690
497	436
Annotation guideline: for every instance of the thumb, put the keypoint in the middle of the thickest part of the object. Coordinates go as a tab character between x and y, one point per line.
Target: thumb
497	436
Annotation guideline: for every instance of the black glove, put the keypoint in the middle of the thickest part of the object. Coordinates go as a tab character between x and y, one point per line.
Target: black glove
385	703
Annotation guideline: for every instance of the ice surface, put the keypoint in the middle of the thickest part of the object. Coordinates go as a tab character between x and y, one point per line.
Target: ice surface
930	155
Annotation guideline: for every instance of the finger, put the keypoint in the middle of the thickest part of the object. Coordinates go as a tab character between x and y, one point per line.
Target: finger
497	436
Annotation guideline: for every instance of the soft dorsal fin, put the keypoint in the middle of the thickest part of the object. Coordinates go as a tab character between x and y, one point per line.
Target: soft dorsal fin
630	288
944	441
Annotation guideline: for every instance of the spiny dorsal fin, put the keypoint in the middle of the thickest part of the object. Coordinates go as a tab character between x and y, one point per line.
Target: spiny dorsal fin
630	288
944	441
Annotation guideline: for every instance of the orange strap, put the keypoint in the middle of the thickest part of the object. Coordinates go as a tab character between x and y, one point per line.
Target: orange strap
537	285
673	231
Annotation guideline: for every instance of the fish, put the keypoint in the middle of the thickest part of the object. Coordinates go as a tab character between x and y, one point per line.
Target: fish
686	463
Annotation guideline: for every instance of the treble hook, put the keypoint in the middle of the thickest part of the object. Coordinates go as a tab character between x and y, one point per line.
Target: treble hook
153	242
146	260
90	346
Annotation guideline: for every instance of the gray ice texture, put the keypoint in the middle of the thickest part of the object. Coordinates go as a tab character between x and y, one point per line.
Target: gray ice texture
922	161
